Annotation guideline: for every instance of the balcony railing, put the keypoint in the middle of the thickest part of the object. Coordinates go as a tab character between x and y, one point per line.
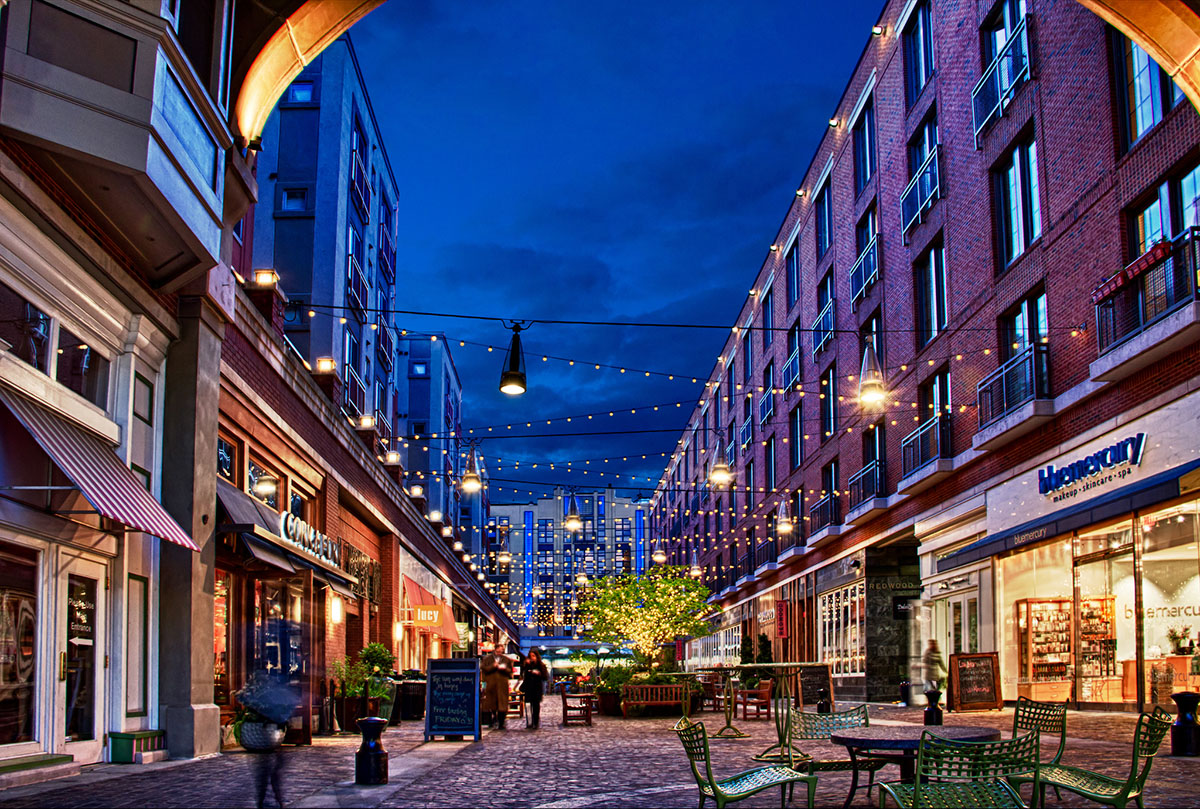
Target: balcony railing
383	428
1002	79
926	444
765	554
823	513
867	483
360	188
866	270
385	343
1024	377
791	369
354	394
356	288
730	453
822	328
766	406
1149	289
386	253
921	192
747	431
745	566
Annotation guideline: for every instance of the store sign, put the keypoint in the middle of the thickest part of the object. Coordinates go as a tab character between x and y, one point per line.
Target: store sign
367	572
428	615
781	619
308	539
1124	453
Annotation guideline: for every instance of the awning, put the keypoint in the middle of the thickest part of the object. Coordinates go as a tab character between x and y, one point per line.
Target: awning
335	583
90	463
263	552
418	596
245	513
1125	500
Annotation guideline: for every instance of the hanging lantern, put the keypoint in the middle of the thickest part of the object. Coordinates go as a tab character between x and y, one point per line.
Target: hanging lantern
783	523
512	376
870	382
504	557
581	579
471	483
659	556
572	523
695	571
537	591
720	474
265	485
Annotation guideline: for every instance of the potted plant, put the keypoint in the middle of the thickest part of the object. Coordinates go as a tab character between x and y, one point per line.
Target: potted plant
1179	635
608	690
265	704
353	679
381	689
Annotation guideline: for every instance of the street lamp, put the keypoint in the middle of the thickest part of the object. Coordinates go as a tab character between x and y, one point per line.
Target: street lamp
870	382
720	474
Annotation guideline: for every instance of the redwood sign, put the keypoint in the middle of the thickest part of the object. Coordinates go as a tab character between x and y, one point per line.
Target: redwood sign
781	619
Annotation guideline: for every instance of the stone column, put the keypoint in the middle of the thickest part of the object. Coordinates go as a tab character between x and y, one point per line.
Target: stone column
189	492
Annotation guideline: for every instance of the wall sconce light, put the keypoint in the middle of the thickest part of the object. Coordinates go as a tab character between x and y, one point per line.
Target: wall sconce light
335	609
366	422
416	490
774	248
393	456
326	365
397	631
833	122
266	278
877	30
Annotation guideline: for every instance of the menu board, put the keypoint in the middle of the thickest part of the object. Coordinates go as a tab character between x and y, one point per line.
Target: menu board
975	682
452	698
816	680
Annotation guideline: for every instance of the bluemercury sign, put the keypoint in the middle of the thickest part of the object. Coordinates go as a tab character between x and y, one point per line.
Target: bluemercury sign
1126	451
308	539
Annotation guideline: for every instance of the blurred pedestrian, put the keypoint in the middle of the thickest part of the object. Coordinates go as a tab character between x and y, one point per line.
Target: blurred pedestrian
533	686
496	669
934	666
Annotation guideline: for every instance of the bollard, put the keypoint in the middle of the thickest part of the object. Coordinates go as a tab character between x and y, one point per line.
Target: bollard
933	711
905	693
371	761
823	705
1185	733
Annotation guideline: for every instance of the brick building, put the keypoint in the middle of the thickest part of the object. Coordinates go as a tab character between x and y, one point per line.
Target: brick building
1001	213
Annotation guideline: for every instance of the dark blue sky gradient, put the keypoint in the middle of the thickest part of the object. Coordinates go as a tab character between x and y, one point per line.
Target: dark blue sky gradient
596	161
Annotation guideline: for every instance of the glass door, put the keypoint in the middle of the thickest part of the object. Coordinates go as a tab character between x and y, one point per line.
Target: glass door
81	636
1106	665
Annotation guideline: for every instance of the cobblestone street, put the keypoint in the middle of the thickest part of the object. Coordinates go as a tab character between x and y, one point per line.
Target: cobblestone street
636	763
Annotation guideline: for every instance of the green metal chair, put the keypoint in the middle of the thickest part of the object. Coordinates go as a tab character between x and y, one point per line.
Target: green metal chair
728	790
1048	719
819	727
1151	729
966	774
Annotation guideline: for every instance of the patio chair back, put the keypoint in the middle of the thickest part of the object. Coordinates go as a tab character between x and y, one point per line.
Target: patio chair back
1151	729
948	760
1048	718
694	738
815	726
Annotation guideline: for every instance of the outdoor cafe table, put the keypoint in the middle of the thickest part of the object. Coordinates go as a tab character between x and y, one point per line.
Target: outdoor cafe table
898	744
787	672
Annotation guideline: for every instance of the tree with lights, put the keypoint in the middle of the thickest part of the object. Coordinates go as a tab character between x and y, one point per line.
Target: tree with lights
649	611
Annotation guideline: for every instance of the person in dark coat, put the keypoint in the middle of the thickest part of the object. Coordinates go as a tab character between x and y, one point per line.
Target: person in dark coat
533	686
496	669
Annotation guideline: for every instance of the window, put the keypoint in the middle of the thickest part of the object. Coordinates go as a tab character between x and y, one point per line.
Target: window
930	279
934	395
269	495
829	402
143	399
24	327
1024	325
796	436
918	52
874	445
864	231
768	318
82	369
999	28
20	581
769	465
418	369
1143	88
294	199
747	361
923	143
871	334
866	266
729	383
1018	205
749	485
227	464
829	479
864	147
793	274
841	630
300	507
351	353
300	92
825	291
824	215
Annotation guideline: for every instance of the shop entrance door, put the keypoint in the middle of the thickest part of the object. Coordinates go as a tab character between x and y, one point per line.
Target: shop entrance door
1106	666
81	660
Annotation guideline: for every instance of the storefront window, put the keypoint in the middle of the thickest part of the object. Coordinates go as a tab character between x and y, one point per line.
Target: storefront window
263	484
227	460
1171	600
18	642
278	628
221	606
1035	601
842	628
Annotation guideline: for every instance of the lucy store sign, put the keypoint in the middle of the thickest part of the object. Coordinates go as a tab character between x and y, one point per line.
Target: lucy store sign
1103	466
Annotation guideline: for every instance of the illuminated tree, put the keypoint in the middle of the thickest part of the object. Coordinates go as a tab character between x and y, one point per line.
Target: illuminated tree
649	611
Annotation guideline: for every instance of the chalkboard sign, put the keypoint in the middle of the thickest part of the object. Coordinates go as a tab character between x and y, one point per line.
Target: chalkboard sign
816	680
975	682
452	698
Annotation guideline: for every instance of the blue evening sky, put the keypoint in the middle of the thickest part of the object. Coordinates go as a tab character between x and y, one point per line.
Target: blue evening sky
599	161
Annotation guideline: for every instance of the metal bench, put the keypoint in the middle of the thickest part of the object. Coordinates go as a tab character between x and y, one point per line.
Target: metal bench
672	694
728	790
953	773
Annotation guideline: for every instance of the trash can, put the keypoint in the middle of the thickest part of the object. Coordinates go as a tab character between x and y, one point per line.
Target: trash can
412	699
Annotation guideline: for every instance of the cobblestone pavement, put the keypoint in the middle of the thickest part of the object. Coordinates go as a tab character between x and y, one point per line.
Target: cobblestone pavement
617	762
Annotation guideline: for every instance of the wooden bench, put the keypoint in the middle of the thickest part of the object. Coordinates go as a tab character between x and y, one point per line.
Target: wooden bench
576	707
673	694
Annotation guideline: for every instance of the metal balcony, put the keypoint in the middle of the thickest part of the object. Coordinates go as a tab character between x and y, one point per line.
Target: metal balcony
747	432
356	288
791	369
823	513
922	191
822	328
1003	77
745	568
926	444
730	453
360	187
1152	287
766	406
867	483
385	343
1023	378
354	394
765	554
383	429
865	270
386	254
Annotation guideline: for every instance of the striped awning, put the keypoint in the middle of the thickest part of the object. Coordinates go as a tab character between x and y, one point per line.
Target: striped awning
90	463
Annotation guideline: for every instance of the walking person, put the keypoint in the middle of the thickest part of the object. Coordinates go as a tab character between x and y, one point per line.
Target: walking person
533	686
496	669
935	667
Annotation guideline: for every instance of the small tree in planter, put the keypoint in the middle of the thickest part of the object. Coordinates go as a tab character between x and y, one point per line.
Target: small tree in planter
647	612
378	660
353	679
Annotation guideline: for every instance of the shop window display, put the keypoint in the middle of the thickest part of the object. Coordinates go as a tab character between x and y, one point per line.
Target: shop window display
18	643
1106	662
843	628
1034	581
1170	600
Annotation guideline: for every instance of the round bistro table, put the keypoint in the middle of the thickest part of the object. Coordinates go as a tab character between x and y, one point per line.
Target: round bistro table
898	744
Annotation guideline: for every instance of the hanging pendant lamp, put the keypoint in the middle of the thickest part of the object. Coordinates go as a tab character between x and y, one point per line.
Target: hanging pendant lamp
659	556
783	523
573	523
471	483
870	382
512	376
695	571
